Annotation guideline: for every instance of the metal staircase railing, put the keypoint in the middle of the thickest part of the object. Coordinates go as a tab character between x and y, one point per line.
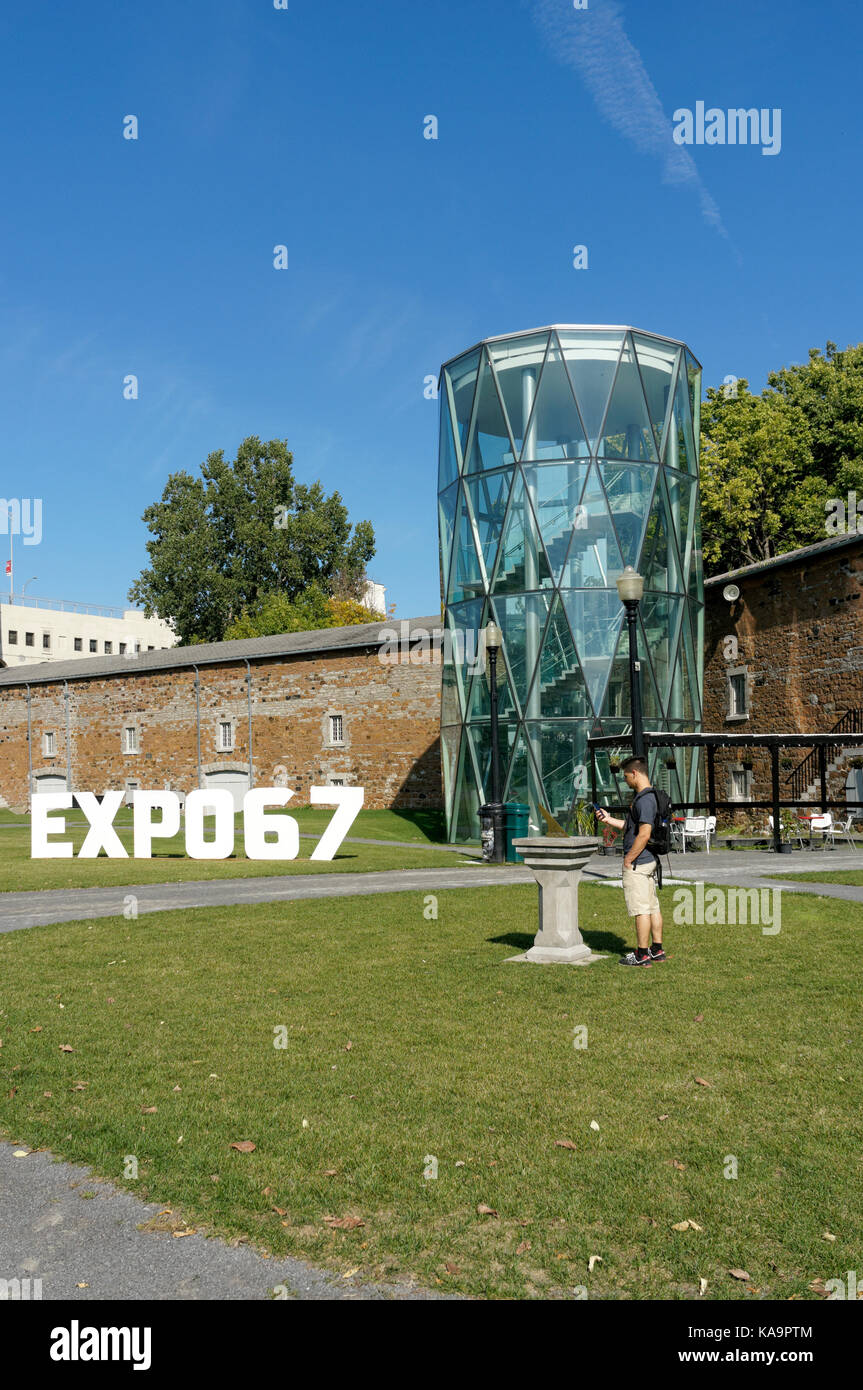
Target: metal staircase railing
806	772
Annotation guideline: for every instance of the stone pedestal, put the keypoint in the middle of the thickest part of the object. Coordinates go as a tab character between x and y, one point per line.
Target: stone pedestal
557	863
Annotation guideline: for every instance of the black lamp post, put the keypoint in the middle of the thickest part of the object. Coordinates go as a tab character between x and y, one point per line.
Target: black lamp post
630	587
495	808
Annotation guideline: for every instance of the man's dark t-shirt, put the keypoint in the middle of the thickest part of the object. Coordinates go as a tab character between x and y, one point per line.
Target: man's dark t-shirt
646	811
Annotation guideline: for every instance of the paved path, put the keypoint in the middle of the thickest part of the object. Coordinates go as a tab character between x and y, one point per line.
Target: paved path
49	1231
753	869
19	910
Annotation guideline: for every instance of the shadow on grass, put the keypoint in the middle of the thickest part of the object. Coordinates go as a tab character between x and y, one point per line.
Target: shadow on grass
596	940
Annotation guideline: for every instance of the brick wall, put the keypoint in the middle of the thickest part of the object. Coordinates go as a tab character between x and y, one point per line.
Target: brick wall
799	630
390	714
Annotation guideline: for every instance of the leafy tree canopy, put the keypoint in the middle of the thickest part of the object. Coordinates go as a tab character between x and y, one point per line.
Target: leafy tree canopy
770	463
312	610
243	530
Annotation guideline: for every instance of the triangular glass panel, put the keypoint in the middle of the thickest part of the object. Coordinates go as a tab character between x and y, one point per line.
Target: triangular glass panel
629	489
447	457
554	430
479	698
591	359
657	361
518	364
523	784
480	739
460	377
555	491
558	689
447	502
466	576
449	745
521	563
660	618
595	616
679	447
464	623
659	563
521	619
696	619
696	559
593	560
681	497
488	496
693	377
489	444
450	710
627	432
465	820
618	696
560	749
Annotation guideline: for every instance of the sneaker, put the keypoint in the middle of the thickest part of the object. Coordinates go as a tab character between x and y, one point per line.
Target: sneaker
658	954
632	959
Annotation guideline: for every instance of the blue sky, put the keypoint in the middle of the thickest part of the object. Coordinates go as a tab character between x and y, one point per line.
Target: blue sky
259	127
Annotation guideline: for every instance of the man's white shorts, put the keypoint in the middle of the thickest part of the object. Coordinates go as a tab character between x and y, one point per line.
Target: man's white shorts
639	889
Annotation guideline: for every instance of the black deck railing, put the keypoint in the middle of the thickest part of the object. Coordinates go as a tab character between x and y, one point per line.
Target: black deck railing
806	773
774	743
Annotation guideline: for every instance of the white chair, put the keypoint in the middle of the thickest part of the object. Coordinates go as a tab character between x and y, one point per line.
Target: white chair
844	828
823	825
698	828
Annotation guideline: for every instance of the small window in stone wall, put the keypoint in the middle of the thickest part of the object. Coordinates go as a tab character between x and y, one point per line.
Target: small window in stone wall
337	732
738	695
226	736
741	784
130	739
49	745
337	781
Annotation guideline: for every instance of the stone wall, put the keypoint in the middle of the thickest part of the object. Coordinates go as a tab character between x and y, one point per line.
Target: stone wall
390	718
799	631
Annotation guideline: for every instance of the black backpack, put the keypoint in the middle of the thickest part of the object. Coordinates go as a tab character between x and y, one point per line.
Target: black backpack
660	838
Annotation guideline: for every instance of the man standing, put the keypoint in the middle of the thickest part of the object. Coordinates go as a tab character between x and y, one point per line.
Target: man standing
639	865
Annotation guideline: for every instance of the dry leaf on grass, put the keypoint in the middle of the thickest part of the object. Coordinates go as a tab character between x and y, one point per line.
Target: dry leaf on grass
343	1223
37	1029
64	1047
178	1235
594	1125
689	1226
828	1236
244	1146
452	1269
699	1018
699	1081
49	1095
564	1144
348	1046
702	1287
280	1211
594	1260
740	1274
523	1248
148	1109
483	1210
675	1163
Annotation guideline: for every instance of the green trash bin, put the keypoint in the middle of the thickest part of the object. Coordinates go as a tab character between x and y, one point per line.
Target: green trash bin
516	826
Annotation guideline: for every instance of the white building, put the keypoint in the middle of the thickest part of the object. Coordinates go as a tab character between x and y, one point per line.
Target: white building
35	630
375	597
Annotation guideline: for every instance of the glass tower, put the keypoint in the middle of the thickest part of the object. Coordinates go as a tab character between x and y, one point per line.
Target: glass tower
565	455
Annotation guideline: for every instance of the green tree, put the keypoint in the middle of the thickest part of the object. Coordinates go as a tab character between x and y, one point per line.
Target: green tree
828	391
759	495
242	531
313	610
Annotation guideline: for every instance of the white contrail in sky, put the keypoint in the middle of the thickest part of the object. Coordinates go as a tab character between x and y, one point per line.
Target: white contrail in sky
594	41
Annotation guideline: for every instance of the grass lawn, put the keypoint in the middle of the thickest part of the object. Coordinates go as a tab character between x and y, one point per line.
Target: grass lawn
852	876
18	872
410	1039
